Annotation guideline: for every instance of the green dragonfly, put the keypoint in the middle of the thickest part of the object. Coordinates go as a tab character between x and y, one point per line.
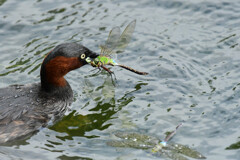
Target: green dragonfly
115	41
155	146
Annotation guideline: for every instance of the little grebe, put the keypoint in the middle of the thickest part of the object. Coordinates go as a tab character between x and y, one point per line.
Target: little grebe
25	109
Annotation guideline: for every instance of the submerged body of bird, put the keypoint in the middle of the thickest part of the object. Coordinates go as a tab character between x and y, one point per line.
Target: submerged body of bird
115	41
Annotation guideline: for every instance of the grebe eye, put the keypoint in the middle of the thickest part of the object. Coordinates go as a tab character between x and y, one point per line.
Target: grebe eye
83	56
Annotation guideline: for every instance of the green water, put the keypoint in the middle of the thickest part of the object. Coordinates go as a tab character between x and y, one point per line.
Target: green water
190	49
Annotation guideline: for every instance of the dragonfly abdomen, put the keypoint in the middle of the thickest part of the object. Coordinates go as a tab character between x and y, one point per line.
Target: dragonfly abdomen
132	70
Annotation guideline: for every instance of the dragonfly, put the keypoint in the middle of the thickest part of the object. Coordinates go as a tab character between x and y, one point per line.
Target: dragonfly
115	41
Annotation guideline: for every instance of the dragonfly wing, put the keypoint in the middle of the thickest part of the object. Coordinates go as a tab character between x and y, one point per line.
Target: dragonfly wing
126	36
112	41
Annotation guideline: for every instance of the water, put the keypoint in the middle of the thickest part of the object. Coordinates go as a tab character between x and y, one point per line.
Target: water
190	49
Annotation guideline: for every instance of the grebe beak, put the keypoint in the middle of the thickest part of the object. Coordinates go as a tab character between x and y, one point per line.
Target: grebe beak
91	57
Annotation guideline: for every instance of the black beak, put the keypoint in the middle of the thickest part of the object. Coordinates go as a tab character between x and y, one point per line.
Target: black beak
93	55
90	53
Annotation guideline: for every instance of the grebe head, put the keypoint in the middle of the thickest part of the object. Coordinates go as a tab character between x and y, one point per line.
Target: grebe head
61	60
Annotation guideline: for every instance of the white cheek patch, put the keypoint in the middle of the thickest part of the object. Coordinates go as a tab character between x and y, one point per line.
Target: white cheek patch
88	60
